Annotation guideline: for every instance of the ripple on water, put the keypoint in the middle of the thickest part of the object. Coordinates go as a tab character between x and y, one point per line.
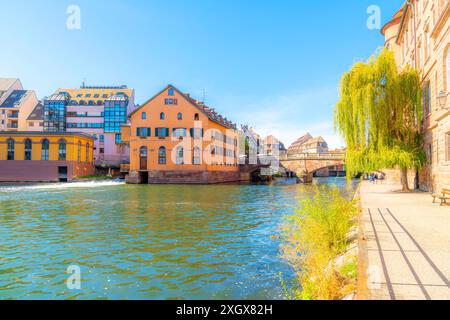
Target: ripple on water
145	242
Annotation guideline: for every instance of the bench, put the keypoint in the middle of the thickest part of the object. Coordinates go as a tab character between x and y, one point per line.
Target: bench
444	197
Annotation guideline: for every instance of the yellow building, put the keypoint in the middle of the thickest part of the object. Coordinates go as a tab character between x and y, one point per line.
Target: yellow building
45	157
176	139
419	35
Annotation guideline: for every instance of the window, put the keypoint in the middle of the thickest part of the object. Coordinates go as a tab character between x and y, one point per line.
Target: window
171	101
162	155
102	138
427	98
430	153
196	117
180	156
170	92
11	144
143	132
162	116
447	69
161	132
144	116
79	152
28	149
118	138
31	124
448	146
196	160
180	116
62	153
45	149
179	132
196	133
87	152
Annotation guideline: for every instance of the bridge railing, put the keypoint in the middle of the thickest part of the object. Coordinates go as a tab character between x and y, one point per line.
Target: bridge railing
312	156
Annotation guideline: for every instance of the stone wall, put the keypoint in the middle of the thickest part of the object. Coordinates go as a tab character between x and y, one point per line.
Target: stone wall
186	177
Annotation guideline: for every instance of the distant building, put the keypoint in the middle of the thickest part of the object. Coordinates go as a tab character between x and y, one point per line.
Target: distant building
45	156
272	144
16	104
308	144
98	111
176	139
35	121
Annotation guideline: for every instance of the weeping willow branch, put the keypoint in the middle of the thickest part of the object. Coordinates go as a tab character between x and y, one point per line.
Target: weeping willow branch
379	114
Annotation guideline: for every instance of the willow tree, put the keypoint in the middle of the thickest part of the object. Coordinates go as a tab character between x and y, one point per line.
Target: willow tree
379	114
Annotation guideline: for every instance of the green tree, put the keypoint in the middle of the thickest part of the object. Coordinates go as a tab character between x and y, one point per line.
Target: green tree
379	114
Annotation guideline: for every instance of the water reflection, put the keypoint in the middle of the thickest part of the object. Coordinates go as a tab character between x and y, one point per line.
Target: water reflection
146	242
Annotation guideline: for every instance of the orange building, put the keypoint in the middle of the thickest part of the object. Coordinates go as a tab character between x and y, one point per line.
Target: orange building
176	139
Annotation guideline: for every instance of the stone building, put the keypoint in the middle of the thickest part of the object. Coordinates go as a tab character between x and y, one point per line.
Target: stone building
308	144
419	36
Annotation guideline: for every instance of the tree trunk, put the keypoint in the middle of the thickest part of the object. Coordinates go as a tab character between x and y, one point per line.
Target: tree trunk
404	178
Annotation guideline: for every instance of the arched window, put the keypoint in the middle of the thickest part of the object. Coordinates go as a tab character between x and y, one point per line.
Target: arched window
180	116
196	158
82	103
62	151
196	117
162	116
180	155
79	152
87	152
28	149
162	155
11	145
45	149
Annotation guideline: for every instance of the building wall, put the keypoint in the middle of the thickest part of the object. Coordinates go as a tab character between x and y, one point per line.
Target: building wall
172	172
113	154
423	43
37	169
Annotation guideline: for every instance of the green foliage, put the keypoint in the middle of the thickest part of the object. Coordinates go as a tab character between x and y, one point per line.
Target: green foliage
380	114
316	235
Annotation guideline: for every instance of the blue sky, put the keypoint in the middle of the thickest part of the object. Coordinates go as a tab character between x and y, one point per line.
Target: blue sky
274	65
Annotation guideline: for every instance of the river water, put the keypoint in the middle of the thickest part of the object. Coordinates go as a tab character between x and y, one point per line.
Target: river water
147	241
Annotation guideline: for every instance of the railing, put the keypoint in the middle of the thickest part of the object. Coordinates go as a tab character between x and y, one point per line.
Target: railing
313	156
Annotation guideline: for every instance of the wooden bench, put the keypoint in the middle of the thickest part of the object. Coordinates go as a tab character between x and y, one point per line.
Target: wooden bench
444	197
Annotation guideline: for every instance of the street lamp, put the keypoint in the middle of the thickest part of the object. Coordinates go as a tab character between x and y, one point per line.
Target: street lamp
442	99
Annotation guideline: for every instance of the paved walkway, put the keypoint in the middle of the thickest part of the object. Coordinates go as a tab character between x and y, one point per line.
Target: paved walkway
407	241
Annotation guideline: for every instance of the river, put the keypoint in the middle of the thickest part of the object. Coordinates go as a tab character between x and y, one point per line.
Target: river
147	241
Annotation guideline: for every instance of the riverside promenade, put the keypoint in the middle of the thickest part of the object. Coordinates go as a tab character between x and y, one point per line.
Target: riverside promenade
405	245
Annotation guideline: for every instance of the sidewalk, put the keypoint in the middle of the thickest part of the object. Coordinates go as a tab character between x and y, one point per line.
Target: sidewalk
407	241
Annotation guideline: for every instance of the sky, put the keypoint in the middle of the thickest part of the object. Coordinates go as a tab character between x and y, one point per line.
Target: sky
274	65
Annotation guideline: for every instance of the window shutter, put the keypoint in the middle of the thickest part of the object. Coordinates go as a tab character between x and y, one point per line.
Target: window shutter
138	132
156	132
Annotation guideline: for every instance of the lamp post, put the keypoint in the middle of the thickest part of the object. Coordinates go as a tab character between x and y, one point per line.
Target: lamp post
442	99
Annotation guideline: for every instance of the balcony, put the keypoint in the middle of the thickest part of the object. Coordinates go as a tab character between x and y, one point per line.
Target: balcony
13	125
13	116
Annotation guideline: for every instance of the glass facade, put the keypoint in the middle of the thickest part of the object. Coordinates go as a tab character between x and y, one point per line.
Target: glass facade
115	115
55	115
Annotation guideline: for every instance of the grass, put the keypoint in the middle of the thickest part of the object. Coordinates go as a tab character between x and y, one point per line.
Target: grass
317	236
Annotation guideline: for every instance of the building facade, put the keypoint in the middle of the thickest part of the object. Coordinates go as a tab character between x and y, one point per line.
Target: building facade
98	111
16	104
419	36
308	144
176	139
45	157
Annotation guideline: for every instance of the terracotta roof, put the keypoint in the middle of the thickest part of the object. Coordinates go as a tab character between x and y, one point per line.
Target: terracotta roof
208	111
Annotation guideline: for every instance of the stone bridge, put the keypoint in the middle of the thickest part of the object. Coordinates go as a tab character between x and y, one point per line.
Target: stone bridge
306	165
